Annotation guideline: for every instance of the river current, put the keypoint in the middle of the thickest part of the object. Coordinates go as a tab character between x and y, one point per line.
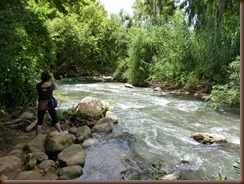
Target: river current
163	124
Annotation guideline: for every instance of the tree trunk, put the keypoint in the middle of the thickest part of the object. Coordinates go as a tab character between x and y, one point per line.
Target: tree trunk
220	12
155	11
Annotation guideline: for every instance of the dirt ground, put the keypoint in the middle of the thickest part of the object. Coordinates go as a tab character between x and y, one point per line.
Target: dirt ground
11	137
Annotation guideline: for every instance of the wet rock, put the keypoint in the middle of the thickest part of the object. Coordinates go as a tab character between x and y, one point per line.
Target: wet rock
172	176
113	158
112	115
183	170
89	142
127	85
105	120
157	89
103	127
207	138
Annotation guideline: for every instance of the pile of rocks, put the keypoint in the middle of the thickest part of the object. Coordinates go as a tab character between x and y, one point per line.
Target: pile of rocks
54	156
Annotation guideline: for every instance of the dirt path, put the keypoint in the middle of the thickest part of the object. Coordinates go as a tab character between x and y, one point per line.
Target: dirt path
10	138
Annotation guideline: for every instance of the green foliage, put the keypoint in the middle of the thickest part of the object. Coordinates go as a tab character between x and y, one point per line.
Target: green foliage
25	48
59	114
106	108
237	167
150	11
220	177
86	39
142	49
41	35
77	36
159	172
228	93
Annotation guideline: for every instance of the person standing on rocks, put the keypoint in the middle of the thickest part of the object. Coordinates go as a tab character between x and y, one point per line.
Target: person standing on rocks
45	94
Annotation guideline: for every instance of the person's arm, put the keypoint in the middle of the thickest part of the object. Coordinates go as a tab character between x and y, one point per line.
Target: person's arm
55	84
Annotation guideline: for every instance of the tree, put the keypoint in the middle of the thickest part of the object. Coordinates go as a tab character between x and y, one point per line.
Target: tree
152	10
25	49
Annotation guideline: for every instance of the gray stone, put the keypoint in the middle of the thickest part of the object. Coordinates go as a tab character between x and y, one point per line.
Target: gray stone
72	155
40	156
112	115
36	145
10	162
55	143
46	164
31	161
103	127
29	175
70	172
83	131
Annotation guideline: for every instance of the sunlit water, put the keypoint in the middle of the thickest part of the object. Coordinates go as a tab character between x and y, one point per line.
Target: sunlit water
163	124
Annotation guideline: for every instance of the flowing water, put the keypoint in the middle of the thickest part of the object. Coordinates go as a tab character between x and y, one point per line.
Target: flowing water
163	124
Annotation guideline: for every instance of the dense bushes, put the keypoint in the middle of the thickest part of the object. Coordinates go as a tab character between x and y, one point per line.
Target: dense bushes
25	48
193	60
80	38
228	93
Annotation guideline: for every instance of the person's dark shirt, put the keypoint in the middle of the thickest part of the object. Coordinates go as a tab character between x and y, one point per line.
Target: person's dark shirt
45	93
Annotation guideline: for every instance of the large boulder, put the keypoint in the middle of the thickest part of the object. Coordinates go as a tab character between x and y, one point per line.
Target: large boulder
90	106
207	138
55	143
72	155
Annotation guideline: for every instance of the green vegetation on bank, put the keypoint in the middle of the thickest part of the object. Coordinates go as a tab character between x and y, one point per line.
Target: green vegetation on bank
185	45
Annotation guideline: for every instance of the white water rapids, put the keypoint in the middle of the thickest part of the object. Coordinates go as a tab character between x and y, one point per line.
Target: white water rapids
163	124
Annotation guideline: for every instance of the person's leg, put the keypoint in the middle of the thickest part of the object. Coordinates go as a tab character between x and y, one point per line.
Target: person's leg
54	117
40	116
57	125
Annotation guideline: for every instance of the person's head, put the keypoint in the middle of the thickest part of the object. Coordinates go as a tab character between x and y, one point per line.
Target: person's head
45	76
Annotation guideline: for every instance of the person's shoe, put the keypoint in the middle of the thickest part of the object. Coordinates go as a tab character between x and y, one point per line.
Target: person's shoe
65	132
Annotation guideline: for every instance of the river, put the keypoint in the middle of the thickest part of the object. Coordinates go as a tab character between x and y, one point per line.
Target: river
163	123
